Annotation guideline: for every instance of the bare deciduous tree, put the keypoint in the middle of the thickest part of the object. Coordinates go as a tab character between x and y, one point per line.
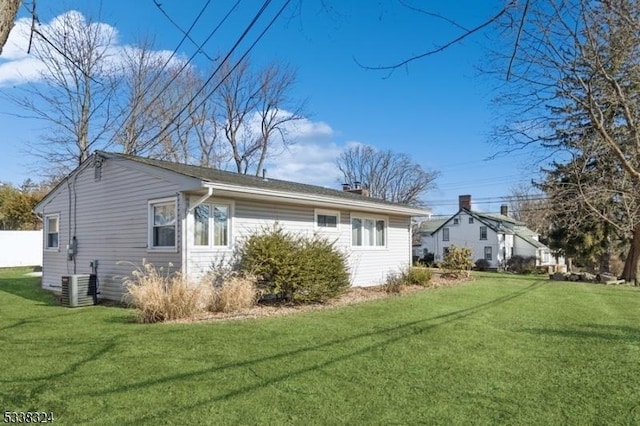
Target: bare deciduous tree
74	94
255	107
386	175
140	86
575	89
8	13
530	206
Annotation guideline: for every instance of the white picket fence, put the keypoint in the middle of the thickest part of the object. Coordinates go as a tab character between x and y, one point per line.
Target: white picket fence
20	248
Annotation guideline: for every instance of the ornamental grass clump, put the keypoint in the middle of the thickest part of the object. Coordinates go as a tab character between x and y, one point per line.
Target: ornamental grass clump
234	293
161	295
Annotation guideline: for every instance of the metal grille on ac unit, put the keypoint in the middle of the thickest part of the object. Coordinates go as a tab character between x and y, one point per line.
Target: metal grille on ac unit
78	290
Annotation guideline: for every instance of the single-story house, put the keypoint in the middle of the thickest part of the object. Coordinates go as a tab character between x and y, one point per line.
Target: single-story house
492	237
115	210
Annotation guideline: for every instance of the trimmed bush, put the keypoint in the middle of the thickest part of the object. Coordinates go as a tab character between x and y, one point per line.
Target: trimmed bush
303	270
457	261
161	296
417	276
522	264
482	265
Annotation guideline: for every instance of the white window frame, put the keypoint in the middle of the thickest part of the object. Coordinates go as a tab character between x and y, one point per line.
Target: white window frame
375	219
46	231
151	204
448	234
490	252
456	221
321	212
192	218
486	233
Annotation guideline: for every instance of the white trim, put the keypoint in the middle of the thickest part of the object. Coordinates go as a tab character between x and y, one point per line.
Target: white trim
325	212
150	204
314	199
45	220
375	219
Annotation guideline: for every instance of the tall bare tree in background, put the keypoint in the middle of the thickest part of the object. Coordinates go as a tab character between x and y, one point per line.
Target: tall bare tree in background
75	92
386	175
141	84
8	13
574	90
531	206
256	108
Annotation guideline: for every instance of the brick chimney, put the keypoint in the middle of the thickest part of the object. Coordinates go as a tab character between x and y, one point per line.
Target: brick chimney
356	189
504	210
464	202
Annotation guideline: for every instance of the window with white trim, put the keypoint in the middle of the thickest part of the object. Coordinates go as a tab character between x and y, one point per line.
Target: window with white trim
483	232
488	253
52	231
162	223
211	225
470	220
368	232
445	234
327	220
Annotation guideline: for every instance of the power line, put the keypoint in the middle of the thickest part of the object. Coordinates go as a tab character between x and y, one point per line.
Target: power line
245	32
186	33
182	68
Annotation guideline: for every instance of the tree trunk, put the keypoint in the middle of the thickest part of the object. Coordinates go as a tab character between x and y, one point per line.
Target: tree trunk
630	272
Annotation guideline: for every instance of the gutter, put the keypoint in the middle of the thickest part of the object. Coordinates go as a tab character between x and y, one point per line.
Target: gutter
314	199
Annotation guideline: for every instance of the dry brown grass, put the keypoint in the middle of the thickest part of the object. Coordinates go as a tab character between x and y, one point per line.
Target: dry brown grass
353	295
161	296
233	294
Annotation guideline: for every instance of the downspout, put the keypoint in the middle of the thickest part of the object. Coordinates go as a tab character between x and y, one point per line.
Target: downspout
201	200
185	236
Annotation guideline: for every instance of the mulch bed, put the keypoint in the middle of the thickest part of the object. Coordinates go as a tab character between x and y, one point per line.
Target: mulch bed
352	296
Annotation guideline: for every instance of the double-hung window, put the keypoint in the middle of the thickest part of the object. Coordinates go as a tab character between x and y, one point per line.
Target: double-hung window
52	231
211	225
488	253
483	232
162	224
368	232
445	234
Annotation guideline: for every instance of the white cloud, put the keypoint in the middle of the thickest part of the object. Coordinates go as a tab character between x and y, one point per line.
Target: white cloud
18	67
312	156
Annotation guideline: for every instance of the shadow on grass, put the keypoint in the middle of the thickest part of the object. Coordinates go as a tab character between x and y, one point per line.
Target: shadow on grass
592	331
389	335
23	399
28	288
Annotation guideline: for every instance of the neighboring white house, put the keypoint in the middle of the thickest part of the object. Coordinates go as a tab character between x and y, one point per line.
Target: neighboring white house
495	238
117	208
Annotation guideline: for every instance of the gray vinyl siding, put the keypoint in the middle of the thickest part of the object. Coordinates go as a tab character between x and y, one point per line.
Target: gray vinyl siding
368	266
110	219
372	265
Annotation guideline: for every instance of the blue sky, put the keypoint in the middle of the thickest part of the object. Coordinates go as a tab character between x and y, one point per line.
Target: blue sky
437	109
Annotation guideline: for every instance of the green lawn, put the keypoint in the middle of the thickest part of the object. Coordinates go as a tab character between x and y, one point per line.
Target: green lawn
501	349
